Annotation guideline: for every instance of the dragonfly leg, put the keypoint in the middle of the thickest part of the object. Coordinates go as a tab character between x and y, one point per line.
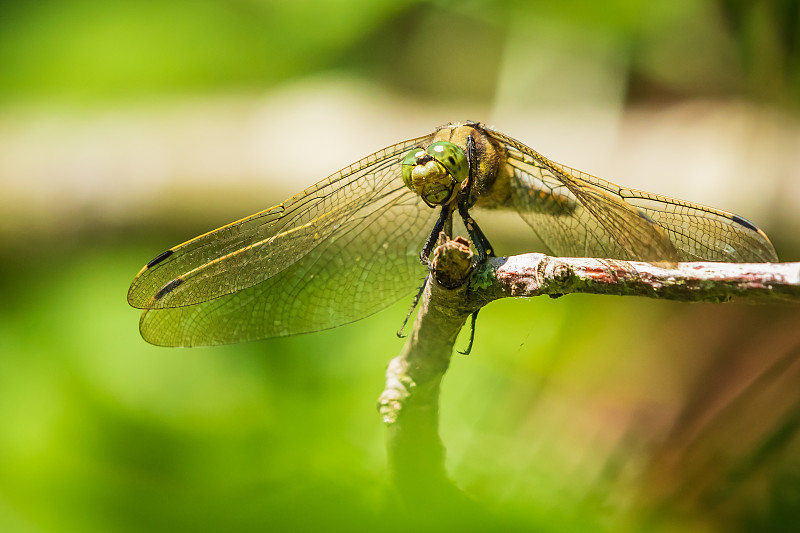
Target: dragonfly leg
445	219
471	333
448	225
413	306
466	187
479	240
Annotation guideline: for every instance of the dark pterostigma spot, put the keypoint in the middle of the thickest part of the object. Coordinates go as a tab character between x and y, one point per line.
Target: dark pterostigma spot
645	216
169	287
160	257
744	222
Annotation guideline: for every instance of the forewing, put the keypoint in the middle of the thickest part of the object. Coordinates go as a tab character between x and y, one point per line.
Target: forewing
247	252
369	263
577	214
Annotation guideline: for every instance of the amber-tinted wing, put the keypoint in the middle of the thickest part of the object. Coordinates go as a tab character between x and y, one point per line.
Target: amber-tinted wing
352	242
579	215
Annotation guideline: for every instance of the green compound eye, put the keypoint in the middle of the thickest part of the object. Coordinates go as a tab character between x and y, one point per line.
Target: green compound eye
409	162
451	157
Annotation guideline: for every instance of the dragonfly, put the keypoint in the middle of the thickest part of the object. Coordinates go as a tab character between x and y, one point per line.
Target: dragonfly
360	239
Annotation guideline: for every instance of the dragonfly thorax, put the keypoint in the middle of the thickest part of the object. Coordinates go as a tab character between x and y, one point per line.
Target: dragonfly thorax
435	173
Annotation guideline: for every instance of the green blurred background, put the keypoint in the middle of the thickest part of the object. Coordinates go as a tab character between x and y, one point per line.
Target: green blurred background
129	126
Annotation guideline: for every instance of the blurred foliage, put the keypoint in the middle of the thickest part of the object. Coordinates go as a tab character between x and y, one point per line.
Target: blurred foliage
84	50
577	414
90	49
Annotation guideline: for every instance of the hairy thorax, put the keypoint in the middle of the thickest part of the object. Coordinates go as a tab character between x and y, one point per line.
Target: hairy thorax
491	185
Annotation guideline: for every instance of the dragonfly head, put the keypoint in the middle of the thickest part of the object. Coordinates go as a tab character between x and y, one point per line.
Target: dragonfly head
435	173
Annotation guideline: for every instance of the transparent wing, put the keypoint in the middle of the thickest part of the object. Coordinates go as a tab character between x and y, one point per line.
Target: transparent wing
247	252
369	263
577	214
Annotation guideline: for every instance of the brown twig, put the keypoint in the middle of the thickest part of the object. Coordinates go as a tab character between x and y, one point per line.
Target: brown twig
539	274
410	402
